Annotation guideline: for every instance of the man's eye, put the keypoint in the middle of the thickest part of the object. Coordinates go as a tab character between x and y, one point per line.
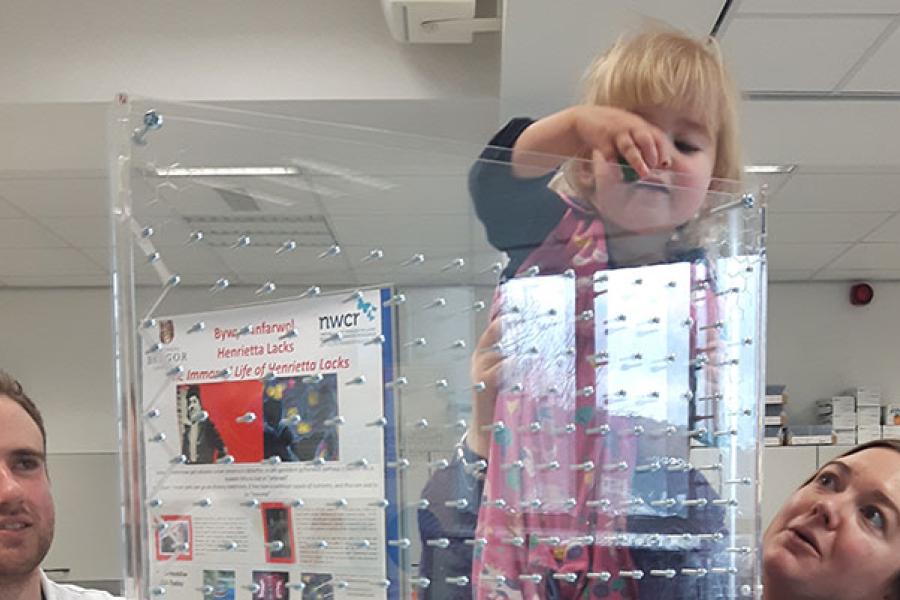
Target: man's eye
28	464
874	517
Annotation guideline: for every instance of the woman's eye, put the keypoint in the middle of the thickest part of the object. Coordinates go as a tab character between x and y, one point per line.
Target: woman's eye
874	517
827	480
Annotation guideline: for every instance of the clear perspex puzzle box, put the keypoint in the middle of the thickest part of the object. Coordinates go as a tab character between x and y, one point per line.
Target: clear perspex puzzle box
353	363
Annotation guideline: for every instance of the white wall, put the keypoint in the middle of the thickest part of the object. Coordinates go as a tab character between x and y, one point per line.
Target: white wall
820	345
53	51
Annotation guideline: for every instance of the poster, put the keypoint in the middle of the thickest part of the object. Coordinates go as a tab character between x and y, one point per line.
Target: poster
266	433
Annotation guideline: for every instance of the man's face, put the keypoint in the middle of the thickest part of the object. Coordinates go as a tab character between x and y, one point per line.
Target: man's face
26	507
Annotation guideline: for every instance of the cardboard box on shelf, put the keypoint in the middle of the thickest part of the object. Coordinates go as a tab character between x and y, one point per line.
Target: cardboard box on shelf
869	395
891	415
809	435
868	416
836	405
845	437
842	421
774	420
868	434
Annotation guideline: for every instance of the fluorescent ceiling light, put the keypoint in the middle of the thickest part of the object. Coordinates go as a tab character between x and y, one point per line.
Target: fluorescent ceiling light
226	171
769	169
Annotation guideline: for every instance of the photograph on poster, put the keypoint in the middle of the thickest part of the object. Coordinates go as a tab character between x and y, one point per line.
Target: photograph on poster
201	442
318	586
218	585
277	527
270	585
291	419
175	540
296	412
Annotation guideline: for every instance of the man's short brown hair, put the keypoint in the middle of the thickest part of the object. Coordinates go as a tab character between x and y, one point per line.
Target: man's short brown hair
11	388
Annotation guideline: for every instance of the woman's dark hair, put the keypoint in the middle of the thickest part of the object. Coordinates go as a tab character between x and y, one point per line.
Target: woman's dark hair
889	444
12	389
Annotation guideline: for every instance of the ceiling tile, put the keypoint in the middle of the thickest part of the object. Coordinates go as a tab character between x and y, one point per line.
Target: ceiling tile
183	260
888	232
58	197
8	211
406	229
799	53
82	232
880	72
822	227
46	262
869	256
802	256
858	275
26	233
789	274
57	280
818	7
839	192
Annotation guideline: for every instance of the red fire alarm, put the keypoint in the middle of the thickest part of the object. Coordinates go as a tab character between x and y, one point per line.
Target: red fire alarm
861	294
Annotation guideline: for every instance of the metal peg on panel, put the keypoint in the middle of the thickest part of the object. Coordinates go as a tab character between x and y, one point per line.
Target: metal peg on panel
415	259
248	417
456	263
395	300
151	121
287	246
332	250
374	254
311	291
420	582
399	382
437	303
266	288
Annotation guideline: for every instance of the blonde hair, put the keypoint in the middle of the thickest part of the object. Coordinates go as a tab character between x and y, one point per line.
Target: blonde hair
664	67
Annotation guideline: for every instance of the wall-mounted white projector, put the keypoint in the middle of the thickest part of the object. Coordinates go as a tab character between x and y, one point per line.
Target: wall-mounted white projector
435	21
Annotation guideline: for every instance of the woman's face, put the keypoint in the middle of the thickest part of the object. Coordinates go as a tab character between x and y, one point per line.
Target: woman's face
838	536
673	193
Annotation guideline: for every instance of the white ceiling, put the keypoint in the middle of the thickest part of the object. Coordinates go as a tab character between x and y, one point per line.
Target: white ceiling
823	93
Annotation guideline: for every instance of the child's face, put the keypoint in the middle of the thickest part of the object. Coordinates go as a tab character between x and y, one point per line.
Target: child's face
673	193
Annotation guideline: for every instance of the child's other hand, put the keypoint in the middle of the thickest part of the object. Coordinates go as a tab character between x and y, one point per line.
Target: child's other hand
486	371
615	133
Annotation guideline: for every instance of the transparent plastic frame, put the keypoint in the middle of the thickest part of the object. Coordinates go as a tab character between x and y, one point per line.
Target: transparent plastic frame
357	363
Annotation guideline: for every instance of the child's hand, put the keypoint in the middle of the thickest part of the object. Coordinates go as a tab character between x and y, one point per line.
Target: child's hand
584	131
486	371
613	133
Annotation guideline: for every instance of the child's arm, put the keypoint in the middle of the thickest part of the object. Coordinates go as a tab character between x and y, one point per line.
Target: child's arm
582	130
